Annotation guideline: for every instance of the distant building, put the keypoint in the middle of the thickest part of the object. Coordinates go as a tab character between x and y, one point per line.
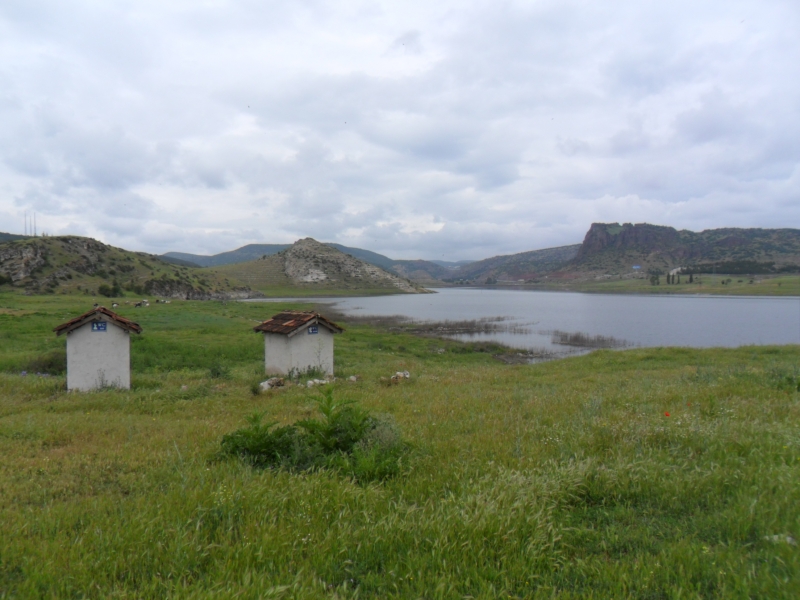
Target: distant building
98	350
295	342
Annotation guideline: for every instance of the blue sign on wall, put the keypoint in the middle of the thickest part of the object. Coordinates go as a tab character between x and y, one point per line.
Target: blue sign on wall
98	326
312	329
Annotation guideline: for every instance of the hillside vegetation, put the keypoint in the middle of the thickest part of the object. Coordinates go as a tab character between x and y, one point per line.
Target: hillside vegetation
71	264
311	267
650	473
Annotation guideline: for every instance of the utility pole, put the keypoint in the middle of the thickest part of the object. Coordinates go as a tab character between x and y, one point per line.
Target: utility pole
34	224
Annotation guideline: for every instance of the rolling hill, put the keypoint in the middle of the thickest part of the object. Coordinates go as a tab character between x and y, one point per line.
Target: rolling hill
525	266
308	265
417	270
71	264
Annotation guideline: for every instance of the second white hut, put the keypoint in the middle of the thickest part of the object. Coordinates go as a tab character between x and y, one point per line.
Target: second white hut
296	342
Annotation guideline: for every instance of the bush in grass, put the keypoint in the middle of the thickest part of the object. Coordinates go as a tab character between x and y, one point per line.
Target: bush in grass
345	438
219	370
52	363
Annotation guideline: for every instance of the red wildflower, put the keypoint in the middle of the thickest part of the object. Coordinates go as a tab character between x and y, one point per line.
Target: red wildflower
666	414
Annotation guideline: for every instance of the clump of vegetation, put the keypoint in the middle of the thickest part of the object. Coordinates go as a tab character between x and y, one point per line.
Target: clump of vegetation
219	370
110	291
584	340
53	362
345	438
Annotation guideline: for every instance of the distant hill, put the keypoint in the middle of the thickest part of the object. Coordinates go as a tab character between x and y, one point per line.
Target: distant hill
452	264
177	261
420	270
612	248
84	265
308	264
10	237
525	266
243	254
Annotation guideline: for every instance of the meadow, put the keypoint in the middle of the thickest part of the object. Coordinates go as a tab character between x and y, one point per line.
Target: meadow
718	284
646	473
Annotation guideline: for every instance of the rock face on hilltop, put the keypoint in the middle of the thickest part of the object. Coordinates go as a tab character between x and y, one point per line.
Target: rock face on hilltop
310	264
18	261
614	248
308	261
644	238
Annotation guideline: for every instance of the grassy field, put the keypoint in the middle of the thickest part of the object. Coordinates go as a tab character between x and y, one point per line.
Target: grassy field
649	473
735	285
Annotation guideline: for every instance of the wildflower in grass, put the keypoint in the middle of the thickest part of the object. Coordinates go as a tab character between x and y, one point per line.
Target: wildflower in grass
666	414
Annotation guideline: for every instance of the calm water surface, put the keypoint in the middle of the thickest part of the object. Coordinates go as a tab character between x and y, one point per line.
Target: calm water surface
646	320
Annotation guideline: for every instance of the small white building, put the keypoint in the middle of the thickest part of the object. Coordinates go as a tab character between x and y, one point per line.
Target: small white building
98	350
295	342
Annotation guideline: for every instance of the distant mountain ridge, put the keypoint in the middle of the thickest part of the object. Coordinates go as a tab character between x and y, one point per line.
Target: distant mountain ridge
613	248
10	237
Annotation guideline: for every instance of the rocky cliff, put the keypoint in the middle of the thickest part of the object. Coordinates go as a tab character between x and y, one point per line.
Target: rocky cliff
615	248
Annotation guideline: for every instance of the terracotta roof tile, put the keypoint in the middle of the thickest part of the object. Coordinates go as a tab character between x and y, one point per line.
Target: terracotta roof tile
290	321
122	322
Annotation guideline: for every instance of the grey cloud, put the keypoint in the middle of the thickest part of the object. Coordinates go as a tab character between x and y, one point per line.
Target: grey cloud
512	126
408	43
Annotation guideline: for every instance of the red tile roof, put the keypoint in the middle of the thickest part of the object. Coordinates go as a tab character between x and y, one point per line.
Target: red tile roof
290	321
122	322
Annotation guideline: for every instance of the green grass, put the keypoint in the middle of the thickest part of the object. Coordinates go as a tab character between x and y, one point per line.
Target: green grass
763	285
564	479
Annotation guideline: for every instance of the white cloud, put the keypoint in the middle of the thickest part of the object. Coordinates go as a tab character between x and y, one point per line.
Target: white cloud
440	130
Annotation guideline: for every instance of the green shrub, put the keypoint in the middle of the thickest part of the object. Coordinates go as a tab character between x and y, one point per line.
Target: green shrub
52	363
219	370
345	438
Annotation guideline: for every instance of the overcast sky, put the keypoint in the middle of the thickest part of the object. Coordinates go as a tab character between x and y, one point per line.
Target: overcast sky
440	130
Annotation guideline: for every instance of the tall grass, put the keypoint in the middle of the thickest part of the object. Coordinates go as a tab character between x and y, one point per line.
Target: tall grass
565	479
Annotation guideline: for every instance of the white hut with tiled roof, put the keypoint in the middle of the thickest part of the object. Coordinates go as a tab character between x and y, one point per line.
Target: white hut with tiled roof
98	350
296	342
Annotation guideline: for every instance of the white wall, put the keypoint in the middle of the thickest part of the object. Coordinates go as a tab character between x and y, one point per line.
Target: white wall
282	354
98	358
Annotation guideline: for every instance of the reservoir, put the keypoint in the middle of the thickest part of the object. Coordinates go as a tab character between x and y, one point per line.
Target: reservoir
534	319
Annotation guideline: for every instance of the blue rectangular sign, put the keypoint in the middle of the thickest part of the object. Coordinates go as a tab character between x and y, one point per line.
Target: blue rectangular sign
98	326
312	329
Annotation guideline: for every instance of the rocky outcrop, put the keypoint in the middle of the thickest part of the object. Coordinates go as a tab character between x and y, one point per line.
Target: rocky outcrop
308	261
170	288
642	237
614	248
21	260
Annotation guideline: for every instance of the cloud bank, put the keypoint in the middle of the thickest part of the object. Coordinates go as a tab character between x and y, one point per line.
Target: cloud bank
436	130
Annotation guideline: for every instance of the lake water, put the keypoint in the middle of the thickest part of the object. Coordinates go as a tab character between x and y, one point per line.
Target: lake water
638	320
